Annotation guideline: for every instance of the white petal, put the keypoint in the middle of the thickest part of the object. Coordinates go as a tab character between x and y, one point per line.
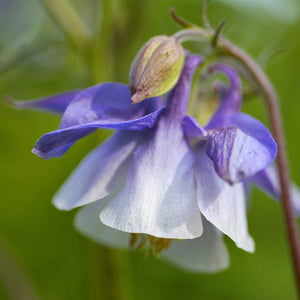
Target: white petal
102	171
222	205
88	223
159	197
206	254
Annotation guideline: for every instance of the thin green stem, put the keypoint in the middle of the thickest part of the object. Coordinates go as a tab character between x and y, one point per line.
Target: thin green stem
68	20
195	33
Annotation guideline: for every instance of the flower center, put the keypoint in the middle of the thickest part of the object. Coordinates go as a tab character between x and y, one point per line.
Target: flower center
148	243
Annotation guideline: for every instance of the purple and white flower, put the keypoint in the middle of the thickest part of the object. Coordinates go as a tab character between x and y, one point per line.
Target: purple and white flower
161	174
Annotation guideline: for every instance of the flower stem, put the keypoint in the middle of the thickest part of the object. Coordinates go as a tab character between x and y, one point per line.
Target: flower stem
270	96
195	33
224	47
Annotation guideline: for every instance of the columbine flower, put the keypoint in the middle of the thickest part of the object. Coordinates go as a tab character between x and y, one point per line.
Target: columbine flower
161	176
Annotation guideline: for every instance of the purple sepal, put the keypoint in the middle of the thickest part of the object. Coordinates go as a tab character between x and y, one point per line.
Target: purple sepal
54	104
267	181
56	143
105	105
237	155
109	102
192	128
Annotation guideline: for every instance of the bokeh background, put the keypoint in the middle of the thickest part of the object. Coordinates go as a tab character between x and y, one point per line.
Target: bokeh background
41	255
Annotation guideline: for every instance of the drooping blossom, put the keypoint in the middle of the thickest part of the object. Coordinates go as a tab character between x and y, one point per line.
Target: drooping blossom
161	174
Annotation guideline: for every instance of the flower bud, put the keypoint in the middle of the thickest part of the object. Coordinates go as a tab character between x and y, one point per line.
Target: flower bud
156	68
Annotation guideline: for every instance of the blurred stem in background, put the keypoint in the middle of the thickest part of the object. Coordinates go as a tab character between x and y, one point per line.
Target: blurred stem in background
109	273
69	22
97	52
14	279
96	49
101	57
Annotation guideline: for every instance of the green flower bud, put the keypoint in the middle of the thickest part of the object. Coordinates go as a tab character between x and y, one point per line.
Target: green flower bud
156	68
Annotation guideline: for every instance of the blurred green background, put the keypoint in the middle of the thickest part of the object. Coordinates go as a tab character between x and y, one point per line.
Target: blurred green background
41	254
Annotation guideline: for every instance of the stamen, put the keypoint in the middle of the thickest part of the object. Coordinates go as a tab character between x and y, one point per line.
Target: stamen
148	243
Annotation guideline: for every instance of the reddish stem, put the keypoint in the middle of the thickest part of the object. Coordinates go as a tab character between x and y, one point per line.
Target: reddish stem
273	108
